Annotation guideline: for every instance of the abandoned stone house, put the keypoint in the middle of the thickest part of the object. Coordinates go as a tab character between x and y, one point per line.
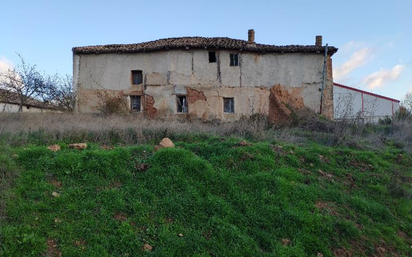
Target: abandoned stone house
206	78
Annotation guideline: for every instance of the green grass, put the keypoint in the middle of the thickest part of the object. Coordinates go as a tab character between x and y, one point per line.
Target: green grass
208	197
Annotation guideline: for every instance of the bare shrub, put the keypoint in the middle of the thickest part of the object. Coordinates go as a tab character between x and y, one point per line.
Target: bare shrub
400	132
110	103
396	185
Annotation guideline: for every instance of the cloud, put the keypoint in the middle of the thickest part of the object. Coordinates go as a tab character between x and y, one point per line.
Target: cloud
351	46
356	60
5	64
379	78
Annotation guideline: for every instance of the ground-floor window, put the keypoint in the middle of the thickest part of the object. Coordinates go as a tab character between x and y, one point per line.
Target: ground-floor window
181	104
228	105
135	103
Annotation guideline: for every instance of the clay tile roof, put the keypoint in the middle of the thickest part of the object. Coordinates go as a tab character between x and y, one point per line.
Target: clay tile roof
201	42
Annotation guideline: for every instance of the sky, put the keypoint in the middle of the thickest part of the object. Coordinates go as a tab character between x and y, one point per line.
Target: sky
374	37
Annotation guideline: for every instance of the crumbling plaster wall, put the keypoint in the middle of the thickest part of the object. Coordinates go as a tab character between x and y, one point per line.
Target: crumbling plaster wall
170	73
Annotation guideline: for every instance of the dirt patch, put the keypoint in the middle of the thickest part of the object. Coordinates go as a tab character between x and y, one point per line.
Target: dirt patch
141	167
385	249
56	183
107	147
327	208
244	143
323	159
52	249
247	156
278	149
350	182
120	216
282	103
403	235
116	184
207	234
325	174
194	95
341	252
81	243
149	108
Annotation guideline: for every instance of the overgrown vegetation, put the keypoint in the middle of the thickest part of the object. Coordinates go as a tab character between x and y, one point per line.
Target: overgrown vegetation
283	192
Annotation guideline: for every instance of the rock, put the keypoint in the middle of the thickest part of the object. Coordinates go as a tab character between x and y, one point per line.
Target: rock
55	194
157	148
180	235
166	143
243	143
147	247
285	241
54	148
78	146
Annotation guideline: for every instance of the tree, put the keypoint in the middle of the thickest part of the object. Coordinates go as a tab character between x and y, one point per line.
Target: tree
407	102
27	83
65	96
23	80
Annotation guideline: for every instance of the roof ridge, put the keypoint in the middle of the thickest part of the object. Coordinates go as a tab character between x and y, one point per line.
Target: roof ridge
198	42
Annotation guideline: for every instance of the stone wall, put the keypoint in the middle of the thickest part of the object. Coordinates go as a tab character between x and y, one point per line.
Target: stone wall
167	74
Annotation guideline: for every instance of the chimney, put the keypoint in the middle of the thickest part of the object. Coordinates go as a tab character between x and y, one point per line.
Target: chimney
318	41
251	36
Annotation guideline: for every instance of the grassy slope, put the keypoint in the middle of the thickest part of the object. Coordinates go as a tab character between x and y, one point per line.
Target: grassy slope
211	197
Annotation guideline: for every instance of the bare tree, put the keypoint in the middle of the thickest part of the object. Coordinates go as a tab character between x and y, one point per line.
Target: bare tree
47	91
64	95
23	80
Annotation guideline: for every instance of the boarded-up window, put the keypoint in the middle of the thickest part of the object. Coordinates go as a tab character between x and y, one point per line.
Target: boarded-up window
135	103
137	77
228	105
234	60
181	104
212	57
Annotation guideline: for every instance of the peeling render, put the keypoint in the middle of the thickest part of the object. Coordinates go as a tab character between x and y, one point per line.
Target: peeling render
262	83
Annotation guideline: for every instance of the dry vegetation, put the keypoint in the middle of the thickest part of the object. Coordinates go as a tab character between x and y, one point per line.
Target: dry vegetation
132	129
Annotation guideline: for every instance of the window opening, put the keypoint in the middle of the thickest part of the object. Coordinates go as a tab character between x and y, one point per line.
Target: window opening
137	77
234	59
135	103
228	105
212	57
181	104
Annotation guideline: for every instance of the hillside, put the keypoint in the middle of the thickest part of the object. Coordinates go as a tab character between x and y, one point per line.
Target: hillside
209	196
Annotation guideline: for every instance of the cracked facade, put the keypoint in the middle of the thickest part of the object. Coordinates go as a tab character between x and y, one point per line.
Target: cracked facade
261	79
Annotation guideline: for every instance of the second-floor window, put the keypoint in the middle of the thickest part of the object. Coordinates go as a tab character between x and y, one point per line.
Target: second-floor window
234	59
137	77
212	57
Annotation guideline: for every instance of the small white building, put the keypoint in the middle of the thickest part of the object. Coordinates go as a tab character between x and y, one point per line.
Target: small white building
352	103
9	102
